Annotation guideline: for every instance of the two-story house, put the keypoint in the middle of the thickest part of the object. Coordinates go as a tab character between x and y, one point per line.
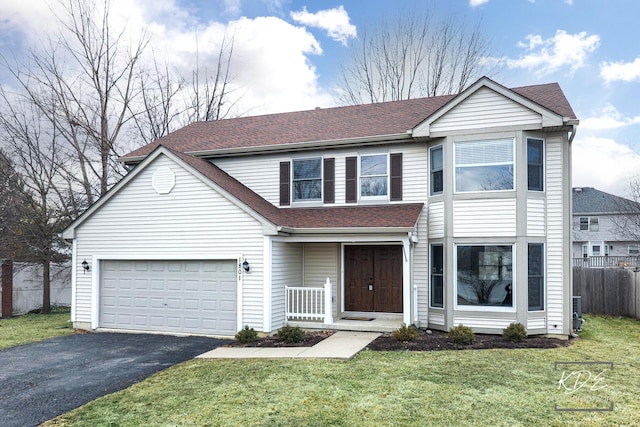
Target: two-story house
433	211
600	229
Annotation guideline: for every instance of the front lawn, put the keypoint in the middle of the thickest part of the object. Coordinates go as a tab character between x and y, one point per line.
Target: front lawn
462	388
33	327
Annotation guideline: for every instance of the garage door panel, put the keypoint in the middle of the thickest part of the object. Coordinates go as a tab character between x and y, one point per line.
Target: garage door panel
169	296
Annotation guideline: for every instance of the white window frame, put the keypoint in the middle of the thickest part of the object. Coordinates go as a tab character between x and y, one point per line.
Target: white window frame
431	274
360	176
512	163
431	170
480	308
544	278
293	180
633	249
543	160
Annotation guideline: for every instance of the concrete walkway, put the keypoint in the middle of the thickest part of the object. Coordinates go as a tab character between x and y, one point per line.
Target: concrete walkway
342	345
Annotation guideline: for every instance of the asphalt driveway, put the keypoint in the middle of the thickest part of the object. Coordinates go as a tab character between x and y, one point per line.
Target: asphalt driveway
42	380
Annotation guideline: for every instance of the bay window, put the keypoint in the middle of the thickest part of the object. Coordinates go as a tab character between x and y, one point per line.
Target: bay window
484	275
484	165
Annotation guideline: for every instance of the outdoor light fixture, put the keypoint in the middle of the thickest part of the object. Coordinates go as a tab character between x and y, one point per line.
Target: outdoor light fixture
245	265
85	265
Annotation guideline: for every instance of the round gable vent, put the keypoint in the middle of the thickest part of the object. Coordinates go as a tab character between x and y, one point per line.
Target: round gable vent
163	180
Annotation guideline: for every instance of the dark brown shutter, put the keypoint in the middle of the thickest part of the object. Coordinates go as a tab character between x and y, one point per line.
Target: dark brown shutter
396	177
285	183
351	180
329	190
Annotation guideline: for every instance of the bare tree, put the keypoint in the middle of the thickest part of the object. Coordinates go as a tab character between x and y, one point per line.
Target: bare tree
412	56
44	190
627	219
83	81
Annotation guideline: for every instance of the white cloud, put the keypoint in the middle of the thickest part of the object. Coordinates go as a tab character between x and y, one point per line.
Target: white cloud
625	71
335	21
563	50
604	164
475	3
272	59
608	118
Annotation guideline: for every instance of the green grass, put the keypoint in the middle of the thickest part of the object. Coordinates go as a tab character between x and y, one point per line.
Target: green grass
456	388
34	327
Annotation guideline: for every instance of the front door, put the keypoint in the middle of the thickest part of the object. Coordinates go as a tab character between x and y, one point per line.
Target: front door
373	278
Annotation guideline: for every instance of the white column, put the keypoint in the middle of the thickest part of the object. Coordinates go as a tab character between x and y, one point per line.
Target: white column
328	306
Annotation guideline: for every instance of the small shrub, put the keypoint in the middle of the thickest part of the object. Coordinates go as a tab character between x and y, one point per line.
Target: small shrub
247	334
515	332
405	333
461	334
290	334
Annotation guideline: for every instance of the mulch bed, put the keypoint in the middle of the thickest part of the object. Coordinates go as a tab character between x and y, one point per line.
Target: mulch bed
438	340
311	338
427	340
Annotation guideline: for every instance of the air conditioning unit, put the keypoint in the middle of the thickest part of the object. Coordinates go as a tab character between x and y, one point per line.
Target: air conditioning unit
577	313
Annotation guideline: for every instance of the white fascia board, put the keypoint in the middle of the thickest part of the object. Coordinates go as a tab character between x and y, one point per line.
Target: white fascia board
350	230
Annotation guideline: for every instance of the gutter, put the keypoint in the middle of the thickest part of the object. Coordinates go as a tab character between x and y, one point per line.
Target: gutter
347	230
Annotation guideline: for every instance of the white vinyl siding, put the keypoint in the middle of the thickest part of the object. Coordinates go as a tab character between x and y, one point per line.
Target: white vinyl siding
536	323
485	109
555	237
286	270
261	173
536	217
193	221
436	318
320	263
487	321
484	217
436	220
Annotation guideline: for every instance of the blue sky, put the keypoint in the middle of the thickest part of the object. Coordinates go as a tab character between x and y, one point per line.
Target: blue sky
287	55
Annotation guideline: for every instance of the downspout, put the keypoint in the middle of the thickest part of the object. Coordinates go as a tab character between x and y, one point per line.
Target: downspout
413	239
574	129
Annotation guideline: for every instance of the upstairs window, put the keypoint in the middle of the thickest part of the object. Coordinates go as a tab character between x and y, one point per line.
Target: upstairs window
535	171
589	223
374	176
307	179
633	250
437	184
484	165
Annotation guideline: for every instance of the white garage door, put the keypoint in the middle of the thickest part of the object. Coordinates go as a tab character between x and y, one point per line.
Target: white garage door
169	296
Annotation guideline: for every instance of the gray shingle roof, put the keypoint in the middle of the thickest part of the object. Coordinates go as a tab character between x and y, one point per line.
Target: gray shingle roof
588	200
329	124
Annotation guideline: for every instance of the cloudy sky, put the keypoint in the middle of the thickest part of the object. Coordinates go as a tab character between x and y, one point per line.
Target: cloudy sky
287	54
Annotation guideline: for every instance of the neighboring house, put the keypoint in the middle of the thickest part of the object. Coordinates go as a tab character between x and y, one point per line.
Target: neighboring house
597	222
434	211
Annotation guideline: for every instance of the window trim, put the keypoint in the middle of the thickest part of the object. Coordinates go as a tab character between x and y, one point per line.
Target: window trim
360	176
456	144
543	276
589	223
635	252
481	308
432	192
541	165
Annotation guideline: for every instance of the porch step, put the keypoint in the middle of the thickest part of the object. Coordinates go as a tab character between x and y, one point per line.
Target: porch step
375	325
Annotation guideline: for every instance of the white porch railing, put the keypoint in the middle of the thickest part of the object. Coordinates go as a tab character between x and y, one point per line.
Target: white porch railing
302	303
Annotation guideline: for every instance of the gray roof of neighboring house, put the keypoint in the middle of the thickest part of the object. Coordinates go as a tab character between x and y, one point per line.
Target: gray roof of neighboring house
588	200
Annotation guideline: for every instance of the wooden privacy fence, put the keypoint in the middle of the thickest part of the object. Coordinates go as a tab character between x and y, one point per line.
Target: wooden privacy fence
612	291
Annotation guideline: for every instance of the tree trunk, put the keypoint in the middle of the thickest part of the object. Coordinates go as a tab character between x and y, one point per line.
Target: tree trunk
46	287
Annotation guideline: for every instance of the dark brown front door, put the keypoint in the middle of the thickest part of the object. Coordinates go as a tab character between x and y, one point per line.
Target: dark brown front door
373	278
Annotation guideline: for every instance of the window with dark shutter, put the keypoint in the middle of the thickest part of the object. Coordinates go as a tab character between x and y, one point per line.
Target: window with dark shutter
285	190
396	177
329	184
351	179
